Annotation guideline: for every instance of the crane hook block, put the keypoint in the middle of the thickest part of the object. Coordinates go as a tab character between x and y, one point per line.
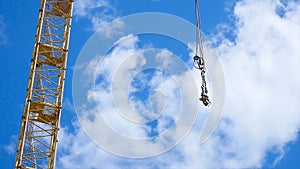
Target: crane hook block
204	98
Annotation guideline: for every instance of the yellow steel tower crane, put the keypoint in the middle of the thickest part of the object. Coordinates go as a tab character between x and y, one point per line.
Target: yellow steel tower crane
38	138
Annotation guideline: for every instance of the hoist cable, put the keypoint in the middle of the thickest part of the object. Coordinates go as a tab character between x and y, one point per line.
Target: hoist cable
199	46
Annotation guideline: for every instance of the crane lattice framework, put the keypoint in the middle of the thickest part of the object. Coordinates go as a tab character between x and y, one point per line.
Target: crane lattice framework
38	138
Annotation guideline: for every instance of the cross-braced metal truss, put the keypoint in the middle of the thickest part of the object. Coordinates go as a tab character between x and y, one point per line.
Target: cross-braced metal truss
38	138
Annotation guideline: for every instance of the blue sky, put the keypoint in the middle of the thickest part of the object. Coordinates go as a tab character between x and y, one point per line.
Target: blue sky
256	43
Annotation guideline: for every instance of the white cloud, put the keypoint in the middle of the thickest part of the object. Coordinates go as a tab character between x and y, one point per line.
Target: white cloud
98	12
263	87
68	105
3	37
84	8
11	147
119	67
261	115
155	0
113	72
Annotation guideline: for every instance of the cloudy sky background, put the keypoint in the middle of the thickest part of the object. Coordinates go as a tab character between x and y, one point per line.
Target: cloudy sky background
257	43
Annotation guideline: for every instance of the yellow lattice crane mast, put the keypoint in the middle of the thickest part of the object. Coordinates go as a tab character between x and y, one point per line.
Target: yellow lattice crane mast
38	138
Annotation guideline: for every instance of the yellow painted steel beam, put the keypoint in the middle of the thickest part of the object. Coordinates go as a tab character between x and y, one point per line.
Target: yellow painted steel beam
38	137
